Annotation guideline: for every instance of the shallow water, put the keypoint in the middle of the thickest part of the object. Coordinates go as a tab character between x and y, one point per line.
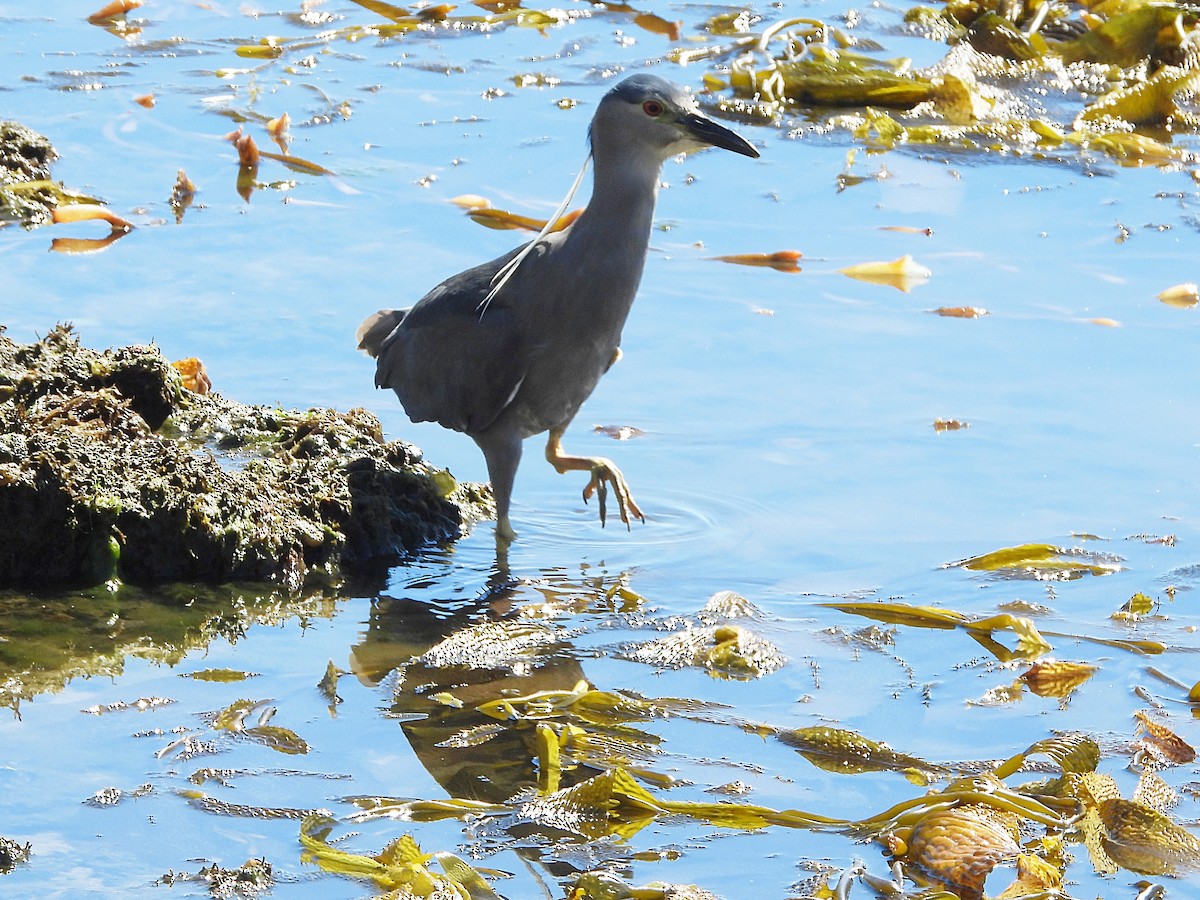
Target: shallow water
790	457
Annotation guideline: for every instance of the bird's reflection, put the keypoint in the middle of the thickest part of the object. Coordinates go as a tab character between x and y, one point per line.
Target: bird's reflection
463	749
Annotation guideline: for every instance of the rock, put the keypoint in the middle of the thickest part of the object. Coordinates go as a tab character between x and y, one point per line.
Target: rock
25	158
111	470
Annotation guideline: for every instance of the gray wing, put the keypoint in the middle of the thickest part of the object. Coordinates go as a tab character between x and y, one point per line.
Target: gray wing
446	362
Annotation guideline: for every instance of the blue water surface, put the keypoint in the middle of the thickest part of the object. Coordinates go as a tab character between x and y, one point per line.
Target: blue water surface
789	452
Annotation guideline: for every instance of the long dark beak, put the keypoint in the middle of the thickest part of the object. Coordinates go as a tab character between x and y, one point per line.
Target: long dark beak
709	132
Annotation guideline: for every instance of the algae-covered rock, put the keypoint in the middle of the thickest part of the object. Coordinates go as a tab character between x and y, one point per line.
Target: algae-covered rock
110	469
25	155
25	158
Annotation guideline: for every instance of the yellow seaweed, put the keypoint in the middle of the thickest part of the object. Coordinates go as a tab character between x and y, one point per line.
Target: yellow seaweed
1051	678
1030	643
1154	101
847	752
582	701
1123	40
959	847
903	274
1136	837
1181	296
780	260
833	81
296	163
1039	561
400	866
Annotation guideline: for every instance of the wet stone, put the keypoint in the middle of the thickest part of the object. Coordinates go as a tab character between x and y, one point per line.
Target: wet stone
25	158
111	470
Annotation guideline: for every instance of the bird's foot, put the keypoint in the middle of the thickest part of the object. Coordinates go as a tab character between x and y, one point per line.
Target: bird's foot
605	473
504	531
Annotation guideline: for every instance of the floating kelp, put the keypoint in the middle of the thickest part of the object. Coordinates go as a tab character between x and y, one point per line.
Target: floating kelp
1136	607
903	274
182	195
1134	834
1031	643
833	81
401	867
1134	33
723	649
1021	79
88	212
502	220
246	720
996	36
780	260
92	468
1143	840
849	753
1160	745
960	312
1158	101
606	886
419	810
956	849
1047	678
943	425
952	839
233	718
327	686
613	804
1054	678
142	704
1181	296
610	804
582	727
1043	562
587	704
399	21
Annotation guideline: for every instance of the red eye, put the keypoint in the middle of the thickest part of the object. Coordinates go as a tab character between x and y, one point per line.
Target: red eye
652	108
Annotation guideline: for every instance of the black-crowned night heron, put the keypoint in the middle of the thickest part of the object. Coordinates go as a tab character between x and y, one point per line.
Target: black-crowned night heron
512	347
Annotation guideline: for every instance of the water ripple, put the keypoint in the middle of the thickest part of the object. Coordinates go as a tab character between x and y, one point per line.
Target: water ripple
680	526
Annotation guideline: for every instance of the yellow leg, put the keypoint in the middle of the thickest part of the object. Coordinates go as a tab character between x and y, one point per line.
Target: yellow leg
604	474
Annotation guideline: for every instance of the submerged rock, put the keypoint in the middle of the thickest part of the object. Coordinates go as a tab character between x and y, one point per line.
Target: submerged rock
111	469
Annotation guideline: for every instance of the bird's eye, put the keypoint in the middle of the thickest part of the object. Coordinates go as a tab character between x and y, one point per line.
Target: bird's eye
652	108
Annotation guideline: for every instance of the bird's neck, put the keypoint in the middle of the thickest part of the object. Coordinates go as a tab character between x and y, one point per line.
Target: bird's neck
606	247
621	210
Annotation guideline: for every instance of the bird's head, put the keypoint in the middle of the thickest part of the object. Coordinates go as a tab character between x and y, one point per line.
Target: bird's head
648	113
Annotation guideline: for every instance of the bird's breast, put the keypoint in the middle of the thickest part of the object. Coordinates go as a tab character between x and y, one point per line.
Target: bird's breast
571	312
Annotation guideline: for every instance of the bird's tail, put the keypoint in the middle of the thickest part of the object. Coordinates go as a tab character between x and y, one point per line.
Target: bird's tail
375	329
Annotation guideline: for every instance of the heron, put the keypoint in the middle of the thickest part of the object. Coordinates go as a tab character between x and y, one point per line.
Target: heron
513	347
